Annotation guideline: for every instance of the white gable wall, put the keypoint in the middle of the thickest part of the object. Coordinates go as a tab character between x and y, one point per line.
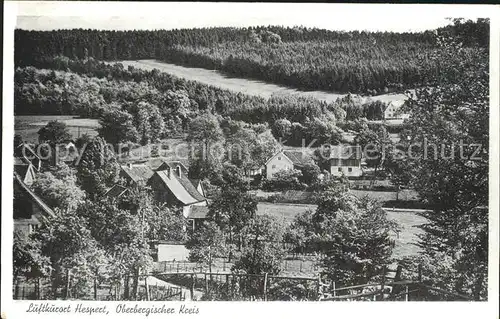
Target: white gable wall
277	163
392	111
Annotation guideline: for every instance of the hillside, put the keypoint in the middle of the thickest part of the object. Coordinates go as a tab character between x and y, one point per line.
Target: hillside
309	59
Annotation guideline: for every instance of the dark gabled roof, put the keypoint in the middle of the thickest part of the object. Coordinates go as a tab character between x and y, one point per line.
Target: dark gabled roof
198	212
346	152
21	169
181	187
37	200
297	157
138	172
155	162
195	181
116	191
172	165
188	185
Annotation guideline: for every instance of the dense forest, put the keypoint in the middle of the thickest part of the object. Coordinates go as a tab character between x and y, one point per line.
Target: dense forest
305	58
90	88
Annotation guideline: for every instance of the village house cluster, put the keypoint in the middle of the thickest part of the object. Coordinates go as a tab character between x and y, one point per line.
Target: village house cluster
168	179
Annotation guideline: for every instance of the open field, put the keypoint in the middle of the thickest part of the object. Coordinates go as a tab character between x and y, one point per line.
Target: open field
285	211
28	125
383	196
250	87
349	137
407	219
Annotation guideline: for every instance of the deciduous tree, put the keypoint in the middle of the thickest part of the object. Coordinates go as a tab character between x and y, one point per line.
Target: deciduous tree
97	168
54	132
116	126
59	189
206	244
265	251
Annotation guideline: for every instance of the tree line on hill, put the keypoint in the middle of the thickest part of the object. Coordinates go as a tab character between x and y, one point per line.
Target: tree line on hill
142	44
357	62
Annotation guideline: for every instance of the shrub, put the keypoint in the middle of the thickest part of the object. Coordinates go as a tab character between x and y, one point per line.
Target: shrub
284	180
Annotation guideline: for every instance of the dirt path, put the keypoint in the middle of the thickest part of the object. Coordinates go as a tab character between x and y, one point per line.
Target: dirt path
153	281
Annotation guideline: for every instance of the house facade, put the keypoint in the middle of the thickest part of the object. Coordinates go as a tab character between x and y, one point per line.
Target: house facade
286	160
346	160
393	111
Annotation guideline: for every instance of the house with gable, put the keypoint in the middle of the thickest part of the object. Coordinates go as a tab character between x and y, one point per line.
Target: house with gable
393	111
135	173
285	160
29	209
345	160
170	184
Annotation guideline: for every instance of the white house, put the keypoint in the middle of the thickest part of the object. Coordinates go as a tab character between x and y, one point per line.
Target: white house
284	160
393	111
346	159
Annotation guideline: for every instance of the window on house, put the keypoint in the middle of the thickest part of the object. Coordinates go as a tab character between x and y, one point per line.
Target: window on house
274	166
349	169
33	228
279	158
339	169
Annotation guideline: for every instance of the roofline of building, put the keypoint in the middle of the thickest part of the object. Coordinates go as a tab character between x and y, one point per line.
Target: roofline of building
35	197
281	151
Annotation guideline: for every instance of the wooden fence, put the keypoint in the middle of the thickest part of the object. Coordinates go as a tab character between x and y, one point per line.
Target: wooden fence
390	288
38	289
305	265
205	285
233	286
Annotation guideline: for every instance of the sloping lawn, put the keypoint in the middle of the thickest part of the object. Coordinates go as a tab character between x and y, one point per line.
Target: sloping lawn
28	125
407	219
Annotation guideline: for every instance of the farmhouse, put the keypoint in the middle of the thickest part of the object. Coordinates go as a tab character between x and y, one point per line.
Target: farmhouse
393	111
345	160
29	209
285	160
170	184
135	173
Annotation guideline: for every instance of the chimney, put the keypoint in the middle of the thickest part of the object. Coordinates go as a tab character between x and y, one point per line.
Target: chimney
179	171
129	165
